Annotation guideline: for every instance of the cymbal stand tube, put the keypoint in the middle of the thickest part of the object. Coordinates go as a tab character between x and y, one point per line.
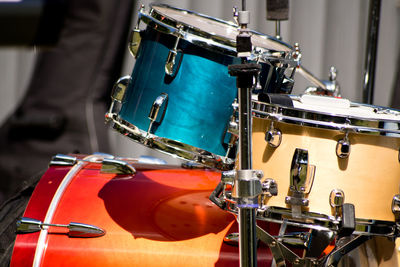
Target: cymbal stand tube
247	197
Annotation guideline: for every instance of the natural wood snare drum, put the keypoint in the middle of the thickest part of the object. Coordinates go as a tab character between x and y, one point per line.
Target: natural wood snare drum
354	148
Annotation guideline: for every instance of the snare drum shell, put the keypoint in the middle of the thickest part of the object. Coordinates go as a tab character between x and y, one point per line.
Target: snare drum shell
369	177
160	216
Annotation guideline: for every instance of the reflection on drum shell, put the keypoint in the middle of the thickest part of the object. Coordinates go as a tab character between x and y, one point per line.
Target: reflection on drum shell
369	177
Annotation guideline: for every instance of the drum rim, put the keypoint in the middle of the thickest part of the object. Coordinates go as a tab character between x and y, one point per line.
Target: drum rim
320	222
325	120
171	147
202	38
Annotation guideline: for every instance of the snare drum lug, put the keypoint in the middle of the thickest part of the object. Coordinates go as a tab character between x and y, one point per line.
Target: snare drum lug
336	200
117	167
273	137
396	207
343	148
301	180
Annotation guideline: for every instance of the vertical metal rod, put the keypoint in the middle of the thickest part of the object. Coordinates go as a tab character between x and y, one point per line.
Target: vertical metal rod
245	129
371	51
247	216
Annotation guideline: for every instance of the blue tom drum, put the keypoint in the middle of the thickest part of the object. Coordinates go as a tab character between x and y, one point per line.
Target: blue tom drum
179	98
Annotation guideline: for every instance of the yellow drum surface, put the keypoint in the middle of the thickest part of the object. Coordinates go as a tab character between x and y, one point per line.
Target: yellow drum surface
369	177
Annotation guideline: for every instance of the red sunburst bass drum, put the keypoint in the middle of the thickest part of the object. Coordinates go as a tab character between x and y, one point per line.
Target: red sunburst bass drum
102	211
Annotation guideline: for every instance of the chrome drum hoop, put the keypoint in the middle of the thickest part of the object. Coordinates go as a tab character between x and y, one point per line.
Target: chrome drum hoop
325	120
163	22
320	222
171	147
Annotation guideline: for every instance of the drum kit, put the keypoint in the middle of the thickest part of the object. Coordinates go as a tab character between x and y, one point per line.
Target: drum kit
271	178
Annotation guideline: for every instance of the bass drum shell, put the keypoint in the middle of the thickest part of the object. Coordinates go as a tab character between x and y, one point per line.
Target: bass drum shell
160	216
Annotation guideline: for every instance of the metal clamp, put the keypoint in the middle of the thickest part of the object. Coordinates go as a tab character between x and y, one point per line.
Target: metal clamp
247	187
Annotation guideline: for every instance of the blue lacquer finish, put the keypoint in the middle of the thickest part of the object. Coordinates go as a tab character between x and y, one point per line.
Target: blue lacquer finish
200	95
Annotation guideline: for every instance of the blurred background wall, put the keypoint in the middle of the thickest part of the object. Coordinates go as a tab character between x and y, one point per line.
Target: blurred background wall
330	33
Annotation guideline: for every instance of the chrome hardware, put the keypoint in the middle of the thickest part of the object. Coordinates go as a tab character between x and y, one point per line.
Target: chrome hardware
269	187
144	159
117	166
29	225
343	147
246	187
232	239
235	15
227	177
301	180
192	165
118	95
170	63
119	88
233	127
296	54
155	108
296	239
63	160
336	200
396	207
134	38
273	136
330	87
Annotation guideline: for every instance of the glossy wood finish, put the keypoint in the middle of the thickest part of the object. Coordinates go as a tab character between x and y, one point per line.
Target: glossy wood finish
157	217
370	177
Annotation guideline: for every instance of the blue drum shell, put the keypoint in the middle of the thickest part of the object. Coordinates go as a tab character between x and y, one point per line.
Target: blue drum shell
200	92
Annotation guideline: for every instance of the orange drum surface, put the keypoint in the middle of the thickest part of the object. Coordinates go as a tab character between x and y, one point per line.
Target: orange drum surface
160	216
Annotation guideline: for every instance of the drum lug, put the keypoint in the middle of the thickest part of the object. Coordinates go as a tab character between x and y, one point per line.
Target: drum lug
117	167
396	207
29	225
63	160
301	180
170	63
134	38
273	136
336	200
343	147
155	108
118	95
